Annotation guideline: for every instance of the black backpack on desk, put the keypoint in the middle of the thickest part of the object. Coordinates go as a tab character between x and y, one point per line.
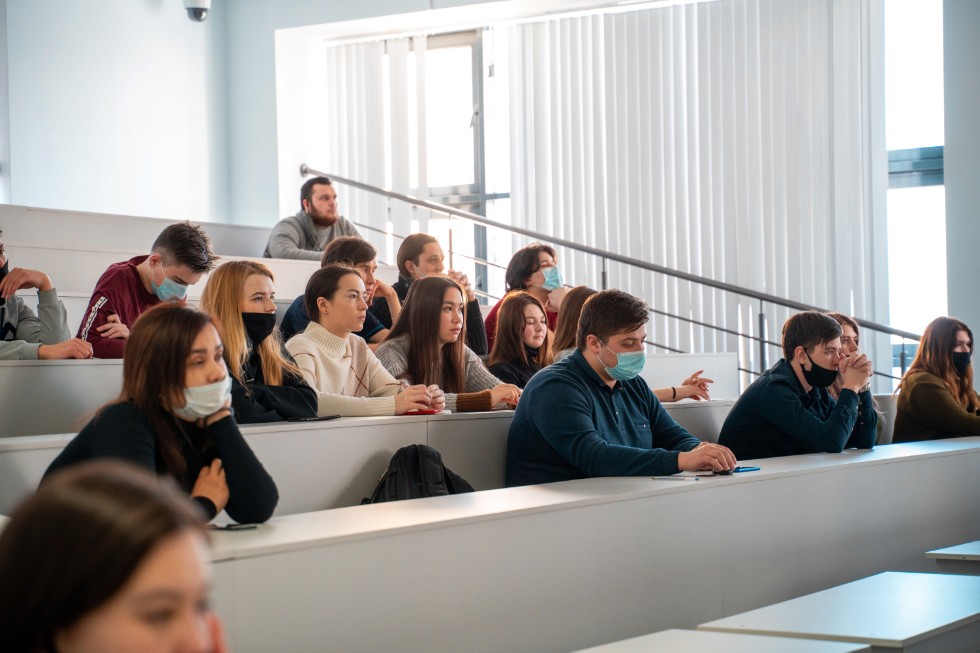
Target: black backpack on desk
414	472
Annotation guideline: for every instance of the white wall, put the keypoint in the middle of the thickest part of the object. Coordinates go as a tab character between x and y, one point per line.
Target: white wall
961	51
4	110
117	106
253	156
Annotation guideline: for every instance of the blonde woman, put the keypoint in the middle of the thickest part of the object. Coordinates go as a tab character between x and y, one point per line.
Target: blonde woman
266	384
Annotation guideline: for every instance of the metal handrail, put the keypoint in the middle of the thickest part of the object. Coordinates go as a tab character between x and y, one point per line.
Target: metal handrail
305	170
715	327
475	259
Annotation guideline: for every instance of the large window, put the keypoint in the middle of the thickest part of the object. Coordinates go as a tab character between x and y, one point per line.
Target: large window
914	137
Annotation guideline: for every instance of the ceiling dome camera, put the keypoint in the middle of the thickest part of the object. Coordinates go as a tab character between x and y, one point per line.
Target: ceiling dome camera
197	10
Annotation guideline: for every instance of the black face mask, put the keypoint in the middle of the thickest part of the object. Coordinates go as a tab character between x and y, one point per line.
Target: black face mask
258	326
3	273
961	361
818	377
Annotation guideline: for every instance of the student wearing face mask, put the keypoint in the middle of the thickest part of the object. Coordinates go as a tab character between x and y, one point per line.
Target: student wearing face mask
174	417
534	269
788	409
266	384
420	256
936	398
180	256
591	415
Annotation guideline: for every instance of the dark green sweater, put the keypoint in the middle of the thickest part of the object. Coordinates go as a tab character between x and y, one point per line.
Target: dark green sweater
775	417
928	411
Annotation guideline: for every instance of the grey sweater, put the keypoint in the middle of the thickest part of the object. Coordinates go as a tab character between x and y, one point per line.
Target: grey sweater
23	332
297	237
393	354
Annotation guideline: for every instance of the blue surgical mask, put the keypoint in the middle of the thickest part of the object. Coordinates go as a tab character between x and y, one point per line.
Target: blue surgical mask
204	400
628	364
169	289
552	278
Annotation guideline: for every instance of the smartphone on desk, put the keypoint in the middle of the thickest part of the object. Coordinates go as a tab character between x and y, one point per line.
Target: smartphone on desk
322	418
234	527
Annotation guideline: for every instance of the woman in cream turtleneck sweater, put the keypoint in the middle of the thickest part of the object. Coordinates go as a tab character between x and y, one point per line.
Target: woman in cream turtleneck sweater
347	377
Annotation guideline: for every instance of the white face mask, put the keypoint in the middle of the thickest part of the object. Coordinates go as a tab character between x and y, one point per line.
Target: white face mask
204	400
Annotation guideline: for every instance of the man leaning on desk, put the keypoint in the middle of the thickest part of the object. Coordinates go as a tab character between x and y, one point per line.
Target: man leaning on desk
590	415
788	410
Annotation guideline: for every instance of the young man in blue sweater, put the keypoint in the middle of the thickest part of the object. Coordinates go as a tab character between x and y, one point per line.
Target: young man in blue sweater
590	415
788	411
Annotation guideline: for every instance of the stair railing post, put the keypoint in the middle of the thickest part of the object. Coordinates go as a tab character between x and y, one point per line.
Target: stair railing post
764	365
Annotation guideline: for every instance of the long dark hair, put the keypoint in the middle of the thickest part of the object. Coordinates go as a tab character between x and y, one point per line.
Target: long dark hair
154	373
508	346
430	362
935	356
571	308
71	547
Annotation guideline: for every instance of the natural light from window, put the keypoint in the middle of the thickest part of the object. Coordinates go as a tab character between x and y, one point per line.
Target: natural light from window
914	119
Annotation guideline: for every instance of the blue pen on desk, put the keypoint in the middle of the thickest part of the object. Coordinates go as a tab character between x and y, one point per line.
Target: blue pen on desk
675	478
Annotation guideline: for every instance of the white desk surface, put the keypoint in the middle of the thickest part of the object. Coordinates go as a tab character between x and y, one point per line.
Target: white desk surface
695	641
313	529
891	609
684	404
969	551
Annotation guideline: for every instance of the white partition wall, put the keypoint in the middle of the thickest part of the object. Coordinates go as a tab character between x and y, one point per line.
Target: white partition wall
23	462
473	445
320	465
564	566
79	230
666	370
316	465
40	397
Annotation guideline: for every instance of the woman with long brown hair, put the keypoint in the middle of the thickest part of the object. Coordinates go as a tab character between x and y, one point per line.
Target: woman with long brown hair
174	417
936	398
426	346
105	557
266	385
522	345
566	329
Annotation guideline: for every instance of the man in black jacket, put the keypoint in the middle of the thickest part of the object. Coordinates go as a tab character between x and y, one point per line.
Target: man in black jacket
788	411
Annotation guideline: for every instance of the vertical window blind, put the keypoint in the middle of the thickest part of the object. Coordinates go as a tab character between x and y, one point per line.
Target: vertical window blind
727	139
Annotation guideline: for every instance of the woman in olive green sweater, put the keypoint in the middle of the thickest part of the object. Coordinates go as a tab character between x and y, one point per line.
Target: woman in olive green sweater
936	398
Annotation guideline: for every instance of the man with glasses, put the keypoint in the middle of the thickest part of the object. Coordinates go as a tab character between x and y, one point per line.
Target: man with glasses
25	335
591	415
